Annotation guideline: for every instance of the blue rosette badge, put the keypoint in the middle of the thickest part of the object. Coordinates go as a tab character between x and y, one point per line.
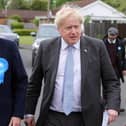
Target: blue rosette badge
3	69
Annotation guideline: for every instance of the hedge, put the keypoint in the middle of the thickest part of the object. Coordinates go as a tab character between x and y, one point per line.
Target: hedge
17	18
24	31
17	25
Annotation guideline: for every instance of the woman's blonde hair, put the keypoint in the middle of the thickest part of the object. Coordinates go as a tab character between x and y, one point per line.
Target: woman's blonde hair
65	12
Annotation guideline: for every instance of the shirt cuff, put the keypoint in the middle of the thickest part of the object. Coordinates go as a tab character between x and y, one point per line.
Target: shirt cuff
28	115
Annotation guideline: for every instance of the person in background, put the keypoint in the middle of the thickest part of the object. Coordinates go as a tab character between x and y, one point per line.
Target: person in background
13	81
124	41
116	50
72	66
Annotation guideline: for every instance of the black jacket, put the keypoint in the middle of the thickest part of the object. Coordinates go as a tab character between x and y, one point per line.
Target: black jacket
120	56
13	89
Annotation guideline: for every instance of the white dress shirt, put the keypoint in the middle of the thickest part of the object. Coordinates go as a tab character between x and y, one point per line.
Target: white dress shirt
56	104
111	41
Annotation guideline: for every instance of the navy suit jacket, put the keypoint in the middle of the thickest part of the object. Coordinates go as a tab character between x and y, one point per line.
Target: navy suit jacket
12	90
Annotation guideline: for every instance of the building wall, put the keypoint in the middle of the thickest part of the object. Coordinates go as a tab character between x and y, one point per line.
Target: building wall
2	20
122	30
96	29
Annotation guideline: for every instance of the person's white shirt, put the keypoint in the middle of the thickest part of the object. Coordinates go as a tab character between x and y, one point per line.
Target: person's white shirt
56	104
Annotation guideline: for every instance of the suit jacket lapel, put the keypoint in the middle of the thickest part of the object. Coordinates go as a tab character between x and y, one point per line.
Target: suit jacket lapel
53	57
84	58
85	50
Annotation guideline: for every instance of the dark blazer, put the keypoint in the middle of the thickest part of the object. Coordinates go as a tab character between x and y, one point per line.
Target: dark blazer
13	90
120	56
95	65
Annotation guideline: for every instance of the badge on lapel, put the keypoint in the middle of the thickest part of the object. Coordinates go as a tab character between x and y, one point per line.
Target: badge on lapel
3	69
119	48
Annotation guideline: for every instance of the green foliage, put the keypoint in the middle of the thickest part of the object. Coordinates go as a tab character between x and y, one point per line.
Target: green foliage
42	4
3	3
18	4
113	3
118	4
16	18
36	22
39	5
17	25
26	40
53	4
60	2
24	31
87	19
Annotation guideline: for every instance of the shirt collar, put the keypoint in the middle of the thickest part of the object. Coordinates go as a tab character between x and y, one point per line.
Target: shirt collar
112	42
64	44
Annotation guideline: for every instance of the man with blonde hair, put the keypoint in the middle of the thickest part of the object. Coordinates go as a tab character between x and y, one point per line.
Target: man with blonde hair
72	67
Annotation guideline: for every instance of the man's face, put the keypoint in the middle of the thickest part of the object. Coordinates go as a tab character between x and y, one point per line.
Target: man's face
70	30
112	37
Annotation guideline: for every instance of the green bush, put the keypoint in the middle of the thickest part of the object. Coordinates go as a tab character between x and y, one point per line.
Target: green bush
16	18
17	25
36	22
39	5
24	31
87	19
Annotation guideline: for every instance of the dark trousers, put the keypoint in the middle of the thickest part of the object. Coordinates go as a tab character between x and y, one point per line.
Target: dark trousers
60	119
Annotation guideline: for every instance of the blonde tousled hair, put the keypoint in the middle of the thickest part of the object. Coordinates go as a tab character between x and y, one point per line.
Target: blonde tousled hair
65	12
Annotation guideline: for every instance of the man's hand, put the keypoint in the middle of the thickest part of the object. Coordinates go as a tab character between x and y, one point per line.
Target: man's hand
15	121
113	114
124	72
29	121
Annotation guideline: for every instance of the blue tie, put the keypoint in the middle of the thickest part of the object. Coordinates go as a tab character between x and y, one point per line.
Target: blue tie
68	82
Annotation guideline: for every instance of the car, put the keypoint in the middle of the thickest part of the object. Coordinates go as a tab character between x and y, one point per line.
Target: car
45	31
7	33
